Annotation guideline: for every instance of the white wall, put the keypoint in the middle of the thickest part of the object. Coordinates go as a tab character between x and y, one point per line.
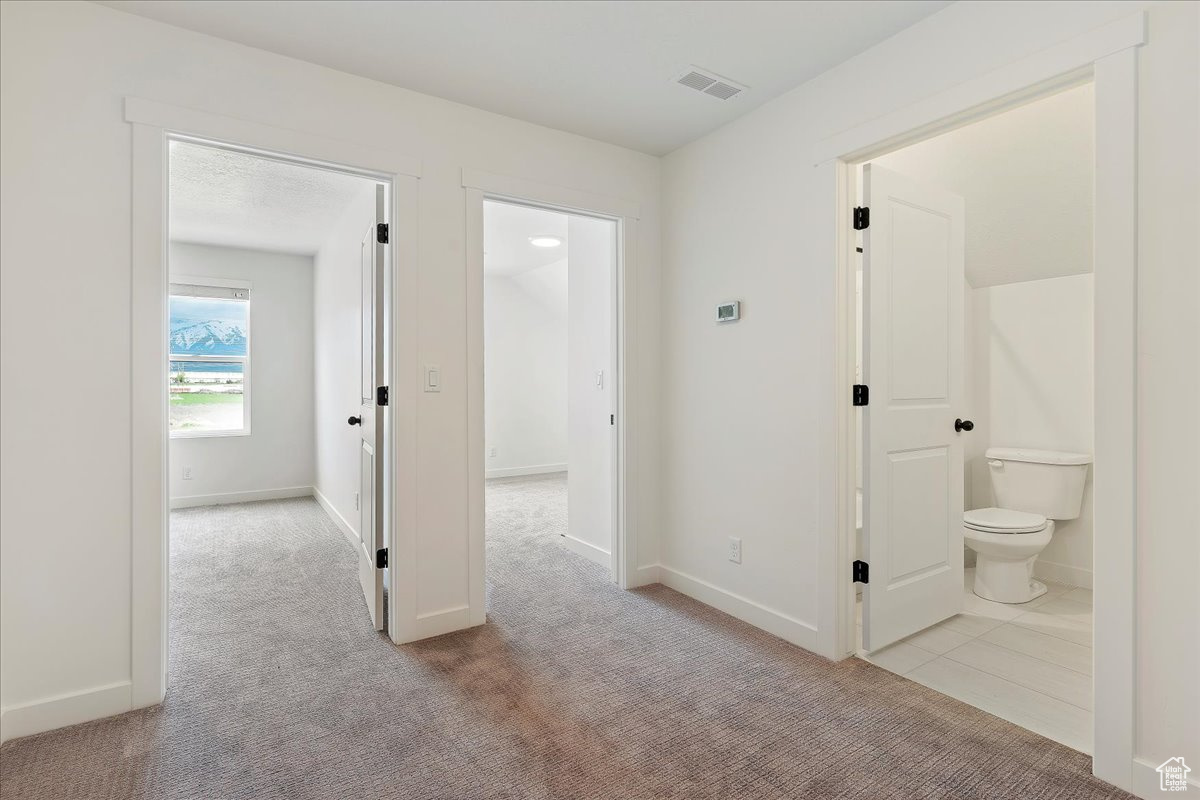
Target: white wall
281	380
337	358
1026	178
591	251
65	69
1031	364
525	371
748	441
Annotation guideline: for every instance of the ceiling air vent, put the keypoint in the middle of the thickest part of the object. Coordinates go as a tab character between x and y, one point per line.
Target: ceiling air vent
710	84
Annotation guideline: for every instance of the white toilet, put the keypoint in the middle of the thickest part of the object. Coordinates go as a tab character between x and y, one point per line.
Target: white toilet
1033	488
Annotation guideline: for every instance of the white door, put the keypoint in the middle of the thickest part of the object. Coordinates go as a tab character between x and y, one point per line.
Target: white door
913	332
371	417
591	379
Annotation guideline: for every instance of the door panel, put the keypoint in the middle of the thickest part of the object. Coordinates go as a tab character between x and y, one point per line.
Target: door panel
913	329
591	379
371	493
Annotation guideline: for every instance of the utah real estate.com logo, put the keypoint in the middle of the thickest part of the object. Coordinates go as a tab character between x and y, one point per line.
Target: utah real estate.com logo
1172	775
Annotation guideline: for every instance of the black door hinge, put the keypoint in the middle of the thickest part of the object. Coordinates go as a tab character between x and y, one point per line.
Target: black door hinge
861	572
381	558
381	395
862	218
861	394
381	232
612	419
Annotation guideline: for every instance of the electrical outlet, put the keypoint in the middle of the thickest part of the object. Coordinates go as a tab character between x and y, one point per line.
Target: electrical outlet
187	473
356	501
735	549
492	453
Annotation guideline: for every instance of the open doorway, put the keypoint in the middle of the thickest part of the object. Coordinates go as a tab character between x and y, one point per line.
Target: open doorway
550	376
277	390
975	438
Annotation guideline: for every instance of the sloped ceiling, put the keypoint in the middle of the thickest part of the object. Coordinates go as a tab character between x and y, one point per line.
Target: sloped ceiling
1026	177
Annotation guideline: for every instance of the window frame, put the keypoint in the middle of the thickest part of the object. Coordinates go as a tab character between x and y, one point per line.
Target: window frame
216	283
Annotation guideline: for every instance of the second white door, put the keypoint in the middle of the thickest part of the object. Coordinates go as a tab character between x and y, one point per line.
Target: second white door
371	415
913	275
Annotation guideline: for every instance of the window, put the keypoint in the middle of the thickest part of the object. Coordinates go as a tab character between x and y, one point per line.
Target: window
208	377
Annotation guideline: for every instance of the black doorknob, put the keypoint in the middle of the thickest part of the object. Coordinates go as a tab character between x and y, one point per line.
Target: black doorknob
961	425
355	420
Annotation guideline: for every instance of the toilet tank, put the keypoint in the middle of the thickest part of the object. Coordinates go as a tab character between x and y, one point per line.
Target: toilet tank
1043	482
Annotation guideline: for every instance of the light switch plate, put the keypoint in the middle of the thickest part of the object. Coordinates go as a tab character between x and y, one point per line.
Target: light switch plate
433	379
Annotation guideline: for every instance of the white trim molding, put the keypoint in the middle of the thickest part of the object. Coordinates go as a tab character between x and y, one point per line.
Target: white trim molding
1108	57
269	141
342	524
228	498
587	550
536	469
1053	69
61	710
788	628
1146	781
1065	574
153	126
477	187
573	200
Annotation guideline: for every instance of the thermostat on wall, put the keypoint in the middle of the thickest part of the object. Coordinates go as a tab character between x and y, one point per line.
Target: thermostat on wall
729	312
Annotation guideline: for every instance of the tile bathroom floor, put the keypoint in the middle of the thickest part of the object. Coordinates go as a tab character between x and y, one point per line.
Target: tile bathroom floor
1030	664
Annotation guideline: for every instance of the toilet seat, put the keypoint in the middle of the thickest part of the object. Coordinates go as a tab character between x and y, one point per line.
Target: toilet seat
1003	521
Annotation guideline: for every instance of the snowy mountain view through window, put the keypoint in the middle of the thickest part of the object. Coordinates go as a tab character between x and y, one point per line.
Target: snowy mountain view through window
209	347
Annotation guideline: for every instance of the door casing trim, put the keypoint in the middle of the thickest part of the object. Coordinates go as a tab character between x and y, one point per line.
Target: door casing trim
153	126
479	186
1108	58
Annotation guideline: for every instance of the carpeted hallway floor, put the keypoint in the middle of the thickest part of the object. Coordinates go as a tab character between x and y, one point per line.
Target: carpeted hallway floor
574	689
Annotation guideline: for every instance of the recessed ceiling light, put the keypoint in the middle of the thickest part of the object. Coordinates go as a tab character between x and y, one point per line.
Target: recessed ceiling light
545	241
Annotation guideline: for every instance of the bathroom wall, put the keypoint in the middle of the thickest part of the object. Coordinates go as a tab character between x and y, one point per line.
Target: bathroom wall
1031	375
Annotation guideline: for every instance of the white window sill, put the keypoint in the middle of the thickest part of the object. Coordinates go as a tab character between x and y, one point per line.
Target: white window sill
206	434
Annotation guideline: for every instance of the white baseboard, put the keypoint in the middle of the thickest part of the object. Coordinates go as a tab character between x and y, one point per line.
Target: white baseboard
787	628
513	472
343	525
65	709
228	498
588	551
1062	573
1146	780
644	576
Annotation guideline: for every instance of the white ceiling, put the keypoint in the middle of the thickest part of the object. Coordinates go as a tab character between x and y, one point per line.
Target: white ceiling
1026	178
506	231
606	70
236	200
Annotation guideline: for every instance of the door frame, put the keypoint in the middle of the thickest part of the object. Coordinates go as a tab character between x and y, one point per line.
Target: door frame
480	186
154	125
1108	58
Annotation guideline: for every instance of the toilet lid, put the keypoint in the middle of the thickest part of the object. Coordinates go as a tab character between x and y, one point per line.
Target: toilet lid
1003	520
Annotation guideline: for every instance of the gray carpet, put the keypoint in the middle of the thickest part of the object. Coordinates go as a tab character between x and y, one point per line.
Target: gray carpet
574	689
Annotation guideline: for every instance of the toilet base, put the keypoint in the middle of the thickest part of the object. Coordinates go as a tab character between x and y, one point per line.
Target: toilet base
1003	581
